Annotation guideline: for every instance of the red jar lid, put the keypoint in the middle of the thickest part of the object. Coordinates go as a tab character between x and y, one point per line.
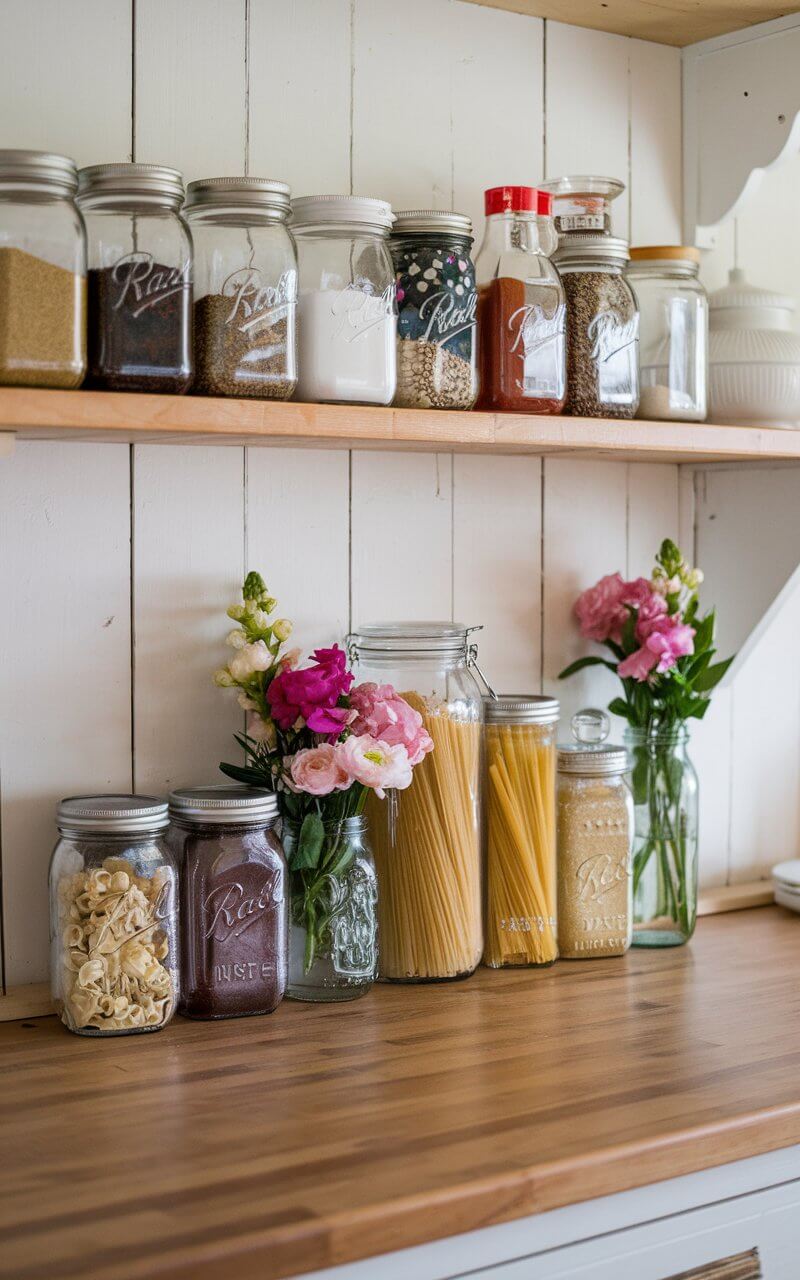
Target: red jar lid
517	200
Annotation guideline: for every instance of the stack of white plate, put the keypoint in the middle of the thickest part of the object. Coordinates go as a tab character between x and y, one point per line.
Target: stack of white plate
786	882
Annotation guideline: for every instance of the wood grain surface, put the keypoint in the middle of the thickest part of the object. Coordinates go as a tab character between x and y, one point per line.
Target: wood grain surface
271	1146
119	416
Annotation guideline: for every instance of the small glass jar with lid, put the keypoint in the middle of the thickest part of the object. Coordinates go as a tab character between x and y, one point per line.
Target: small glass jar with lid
602	327
582	202
520	830
140	278
521	306
595	843
42	272
234	898
673	332
347	306
426	839
114	942
245	288
437	308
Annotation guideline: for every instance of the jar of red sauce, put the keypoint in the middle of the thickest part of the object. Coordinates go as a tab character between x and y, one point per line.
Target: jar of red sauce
234	888
521	305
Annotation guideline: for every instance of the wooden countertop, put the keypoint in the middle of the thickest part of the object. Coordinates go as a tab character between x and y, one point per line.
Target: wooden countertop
266	1147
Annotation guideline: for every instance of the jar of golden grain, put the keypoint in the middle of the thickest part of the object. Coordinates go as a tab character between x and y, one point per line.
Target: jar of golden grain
595	835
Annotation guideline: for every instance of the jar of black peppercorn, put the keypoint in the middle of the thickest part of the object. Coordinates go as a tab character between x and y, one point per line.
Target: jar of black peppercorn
437	305
140	278
602	327
234	898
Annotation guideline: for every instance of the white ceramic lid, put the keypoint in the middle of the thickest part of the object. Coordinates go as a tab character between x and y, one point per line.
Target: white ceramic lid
788	873
738	292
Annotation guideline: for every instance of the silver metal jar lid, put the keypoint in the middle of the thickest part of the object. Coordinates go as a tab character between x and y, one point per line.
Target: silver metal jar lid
586	246
224	805
411	637
521	708
431	222
39	168
592	762
332	212
259	195
112	814
144	180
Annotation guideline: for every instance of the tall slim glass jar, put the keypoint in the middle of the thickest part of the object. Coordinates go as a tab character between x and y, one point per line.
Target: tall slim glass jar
666	799
426	839
673	338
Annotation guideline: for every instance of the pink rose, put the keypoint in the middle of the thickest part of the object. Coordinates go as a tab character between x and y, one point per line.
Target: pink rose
374	764
667	641
652	610
297	694
600	612
383	714
318	772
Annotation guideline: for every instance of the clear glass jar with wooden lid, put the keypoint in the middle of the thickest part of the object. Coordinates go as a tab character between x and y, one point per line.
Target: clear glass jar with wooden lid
520	830
595	840
673	331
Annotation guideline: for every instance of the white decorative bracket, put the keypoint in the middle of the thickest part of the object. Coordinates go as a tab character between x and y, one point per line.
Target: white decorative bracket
741	116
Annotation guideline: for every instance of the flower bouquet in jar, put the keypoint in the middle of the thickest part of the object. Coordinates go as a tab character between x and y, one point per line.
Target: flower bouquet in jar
662	649
323	744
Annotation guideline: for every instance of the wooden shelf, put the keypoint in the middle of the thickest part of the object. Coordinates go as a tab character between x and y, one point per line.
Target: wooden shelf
118	417
263	1147
675	22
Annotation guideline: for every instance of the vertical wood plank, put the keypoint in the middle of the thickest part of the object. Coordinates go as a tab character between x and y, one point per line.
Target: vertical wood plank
656	168
497	538
401	536
588	108
65	675
653	513
190	85
298	538
188	524
65	78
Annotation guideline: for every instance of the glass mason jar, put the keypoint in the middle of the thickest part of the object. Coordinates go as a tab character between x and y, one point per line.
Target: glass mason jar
114	944
595	839
520	830
666	797
245	288
521	305
42	272
333	935
673	332
437	307
426	839
602	327
140	278
234	900
582	202
347	308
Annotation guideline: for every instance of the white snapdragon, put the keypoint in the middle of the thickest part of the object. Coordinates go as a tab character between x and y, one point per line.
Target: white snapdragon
282	629
223	678
260	619
252	658
247	704
236	639
236	612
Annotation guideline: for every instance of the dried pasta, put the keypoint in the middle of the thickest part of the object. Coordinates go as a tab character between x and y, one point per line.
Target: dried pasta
428	858
520	915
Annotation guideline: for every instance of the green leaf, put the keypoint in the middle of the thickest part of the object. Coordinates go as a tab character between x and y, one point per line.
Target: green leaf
709	679
619	707
309	843
629	632
704	633
250	777
580	663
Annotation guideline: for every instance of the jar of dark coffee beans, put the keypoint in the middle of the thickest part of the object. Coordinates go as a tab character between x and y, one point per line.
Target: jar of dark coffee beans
245	288
602	327
140	278
437	304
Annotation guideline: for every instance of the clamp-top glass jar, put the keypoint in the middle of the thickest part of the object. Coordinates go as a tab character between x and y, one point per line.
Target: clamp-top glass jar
140	278
437	305
582	203
42	272
347	308
426	839
602	327
113	916
673	338
245	288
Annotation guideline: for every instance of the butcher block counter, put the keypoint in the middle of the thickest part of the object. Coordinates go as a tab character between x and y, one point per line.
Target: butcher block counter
273	1146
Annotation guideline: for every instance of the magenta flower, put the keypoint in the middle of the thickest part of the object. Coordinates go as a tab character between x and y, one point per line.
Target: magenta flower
383	714
295	695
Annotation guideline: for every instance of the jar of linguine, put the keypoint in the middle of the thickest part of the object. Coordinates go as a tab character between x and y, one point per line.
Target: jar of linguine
520	830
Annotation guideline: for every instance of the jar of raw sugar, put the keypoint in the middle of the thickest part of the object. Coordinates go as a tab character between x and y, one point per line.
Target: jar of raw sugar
347	309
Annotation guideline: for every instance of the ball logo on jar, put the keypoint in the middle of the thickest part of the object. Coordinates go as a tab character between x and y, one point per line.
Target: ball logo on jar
598	874
610	336
143	283
445	318
254	303
230	909
358	310
538	343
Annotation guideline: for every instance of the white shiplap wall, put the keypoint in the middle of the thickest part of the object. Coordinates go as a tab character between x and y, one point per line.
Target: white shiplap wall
116	564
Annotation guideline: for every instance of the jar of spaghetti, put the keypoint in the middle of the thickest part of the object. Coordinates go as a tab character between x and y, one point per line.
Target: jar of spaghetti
426	839
595	840
520	830
521	306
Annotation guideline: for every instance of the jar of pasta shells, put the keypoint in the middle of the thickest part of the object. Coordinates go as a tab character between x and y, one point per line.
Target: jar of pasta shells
113	916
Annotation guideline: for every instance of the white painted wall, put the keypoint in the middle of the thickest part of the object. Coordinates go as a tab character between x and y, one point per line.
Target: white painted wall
116	564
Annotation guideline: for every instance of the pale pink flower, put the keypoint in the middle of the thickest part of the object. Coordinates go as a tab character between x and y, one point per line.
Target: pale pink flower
652	611
318	772
668	640
600	610
261	730
374	764
383	714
